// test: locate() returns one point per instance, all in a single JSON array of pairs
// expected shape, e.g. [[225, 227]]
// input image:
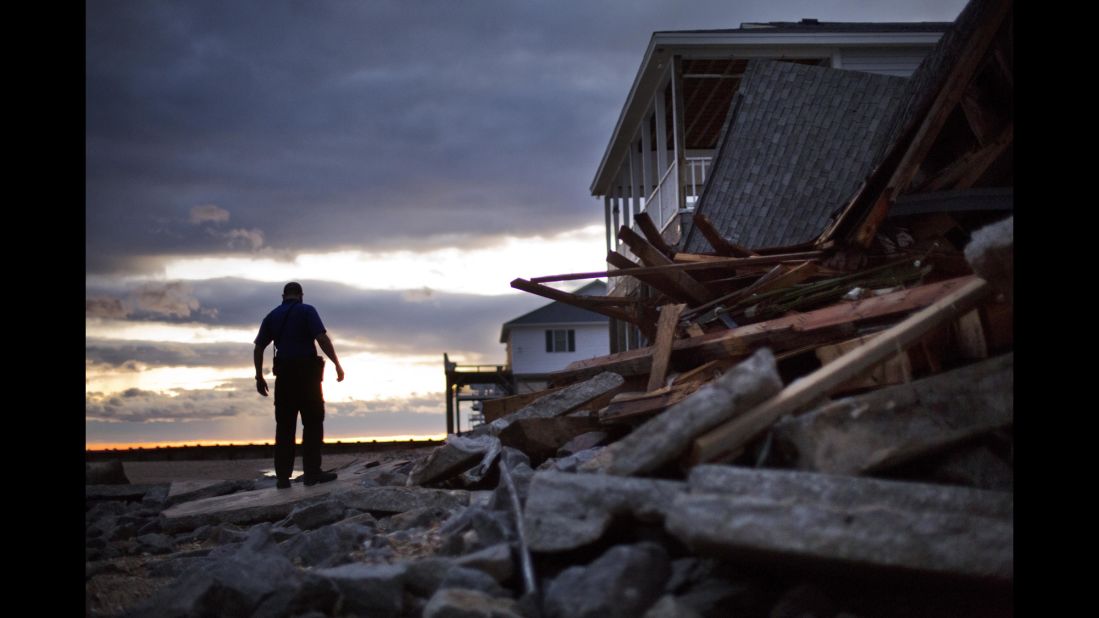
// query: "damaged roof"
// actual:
[[798, 141]]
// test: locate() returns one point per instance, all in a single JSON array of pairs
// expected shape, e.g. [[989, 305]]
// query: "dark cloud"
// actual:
[[370, 124], [131, 355], [101, 307], [209, 213], [173, 299], [405, 322]]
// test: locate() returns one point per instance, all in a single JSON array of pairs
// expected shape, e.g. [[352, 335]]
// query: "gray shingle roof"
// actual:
[[560, 313], [797, 144], [830, 26]]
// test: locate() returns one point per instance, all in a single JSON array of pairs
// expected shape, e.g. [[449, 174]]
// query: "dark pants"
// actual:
[[298, 389]]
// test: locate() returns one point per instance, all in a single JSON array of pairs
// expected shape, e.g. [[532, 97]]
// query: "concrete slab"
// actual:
[[248, 506]]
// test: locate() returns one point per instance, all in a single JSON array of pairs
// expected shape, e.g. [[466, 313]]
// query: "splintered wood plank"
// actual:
[[627, 268], [651, 256], [820, 326], [658, 281], [694, 330], [662, 348], [895, 370], [969, 335], [738, 432], [572, 299], [648, 228], [648, 404], [716, 240]]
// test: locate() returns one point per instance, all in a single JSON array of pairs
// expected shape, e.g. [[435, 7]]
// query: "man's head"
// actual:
[[292, 290]]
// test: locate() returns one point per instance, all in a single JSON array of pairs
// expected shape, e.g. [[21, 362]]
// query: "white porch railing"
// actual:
[[663, 203]]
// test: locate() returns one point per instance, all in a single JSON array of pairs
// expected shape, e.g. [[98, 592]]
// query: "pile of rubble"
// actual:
[[748, 494]]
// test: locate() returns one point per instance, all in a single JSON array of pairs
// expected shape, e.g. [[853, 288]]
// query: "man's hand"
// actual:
[[261, 386], [339, 373]]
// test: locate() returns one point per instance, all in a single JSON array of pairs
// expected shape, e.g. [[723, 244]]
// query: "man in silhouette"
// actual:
[[294, 326]]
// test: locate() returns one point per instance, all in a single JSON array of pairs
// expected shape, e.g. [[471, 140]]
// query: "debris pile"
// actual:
[[823, 429]]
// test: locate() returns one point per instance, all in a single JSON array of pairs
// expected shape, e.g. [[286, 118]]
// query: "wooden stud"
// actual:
[[662, 348]]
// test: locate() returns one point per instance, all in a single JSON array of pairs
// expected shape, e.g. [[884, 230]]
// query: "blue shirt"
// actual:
[[300, 325]]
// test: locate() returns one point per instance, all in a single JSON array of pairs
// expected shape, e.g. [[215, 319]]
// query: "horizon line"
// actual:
[[168, 444]]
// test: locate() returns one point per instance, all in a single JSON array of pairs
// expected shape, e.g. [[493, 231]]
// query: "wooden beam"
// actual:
[[716, 240], [571, 299], [738, 432], [964, 172], [648, 228], [658, 281], [651, 256], [969, 58], [826, 325], [662, 347], [631, 408]]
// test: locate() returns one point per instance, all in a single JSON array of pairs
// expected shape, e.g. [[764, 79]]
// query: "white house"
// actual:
[[550, 337]]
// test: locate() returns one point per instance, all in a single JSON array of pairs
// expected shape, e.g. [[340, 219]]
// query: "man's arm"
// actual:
[[257, 357], [326, 346]]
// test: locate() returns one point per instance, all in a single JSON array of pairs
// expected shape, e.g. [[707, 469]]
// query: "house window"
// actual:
[[560, 340]]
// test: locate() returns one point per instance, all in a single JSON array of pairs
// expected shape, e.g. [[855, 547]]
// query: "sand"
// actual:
[[142, 472]]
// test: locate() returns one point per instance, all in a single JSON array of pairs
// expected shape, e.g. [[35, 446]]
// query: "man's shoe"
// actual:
[[320, 477], [283, 484]]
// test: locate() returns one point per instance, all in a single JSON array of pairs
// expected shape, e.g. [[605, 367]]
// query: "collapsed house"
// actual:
[[812, 415]]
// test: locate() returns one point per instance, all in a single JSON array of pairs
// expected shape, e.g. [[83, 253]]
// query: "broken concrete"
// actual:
[[460, 453], [540, 438], [126, 493], [401, 499], [249, 506], [558, 402], [622, 583], [356, 589], [888, 427], [328, 546], [310, 516], [456, 603], [105, 473], [841, 520], [566, 511], [185, 491], [991, 253], [664, 437], [582, 442]]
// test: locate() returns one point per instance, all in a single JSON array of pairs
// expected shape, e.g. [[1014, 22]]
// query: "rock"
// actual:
[[460, 453], [328, 546], [149, 527], [496, 560], [623, 582], [666, 436], [567, 511], [310, 516], [474, 529], [416, 518], [558, 402], [282, 532], [156, 543], [541, 438], [248, 506], [991, 252], [365, 519], [245, 583], [840, 521], [128, 493], [804, 601], [105, 473], [156, 496], [455, 603], [401, 499], [975, 466], [104, 567], [894, 425], [356, 589], [573, 462], [472, 579], [668, 606], [184, 491], [582, 442]]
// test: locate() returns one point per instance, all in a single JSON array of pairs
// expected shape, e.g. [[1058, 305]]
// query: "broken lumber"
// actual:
[[664, 438], [888, 427], [628, 408], [571, 299], [686, 285], [895, 370], [662, 348], [736, 433], [557, 403], [726, 263], [648, 228], [820, 326], [832, 521]]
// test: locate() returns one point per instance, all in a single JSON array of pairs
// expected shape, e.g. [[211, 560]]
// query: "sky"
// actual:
[[403, 160]]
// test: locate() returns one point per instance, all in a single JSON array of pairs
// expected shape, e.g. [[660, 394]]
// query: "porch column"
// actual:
[[647, 180], [680, 142], [635, 178], [607, 216], [661, 133]]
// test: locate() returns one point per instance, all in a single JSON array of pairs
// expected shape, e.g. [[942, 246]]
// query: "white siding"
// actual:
[[899, 61], [528, 346]]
